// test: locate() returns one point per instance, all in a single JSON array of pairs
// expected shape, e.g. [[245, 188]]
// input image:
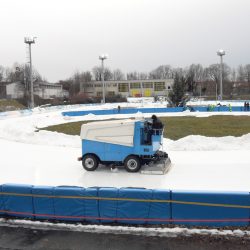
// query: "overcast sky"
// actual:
[[137, 34]]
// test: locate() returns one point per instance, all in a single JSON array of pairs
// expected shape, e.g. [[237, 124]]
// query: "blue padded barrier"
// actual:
[[160, 211], [1, 201], [153, 110], [133, 209], [22, 205], [108, 208], [122, 111], [91, 207], [43, 206], [198, 212], [69, 207]]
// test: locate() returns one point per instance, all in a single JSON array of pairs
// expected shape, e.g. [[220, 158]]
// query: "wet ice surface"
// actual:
[[192, 170], [49, 158]]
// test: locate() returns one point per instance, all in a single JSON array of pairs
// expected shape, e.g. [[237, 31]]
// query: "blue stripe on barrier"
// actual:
[[14, 203], [43, 205], [108, 208], [69, 207], [133, 209], [197, 212]]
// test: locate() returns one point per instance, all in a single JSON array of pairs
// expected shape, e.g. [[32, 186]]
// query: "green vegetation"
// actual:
[[213, 126], [178, 127], [9, 105]]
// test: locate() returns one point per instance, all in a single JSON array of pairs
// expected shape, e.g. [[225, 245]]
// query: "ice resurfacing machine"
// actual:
[[135, 144]]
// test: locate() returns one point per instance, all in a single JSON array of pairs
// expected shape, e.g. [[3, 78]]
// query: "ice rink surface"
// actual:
[[191, 170], [48, 158]]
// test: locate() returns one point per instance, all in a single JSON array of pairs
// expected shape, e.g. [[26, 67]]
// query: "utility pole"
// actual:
[[102, 58], [29, 41], [221, 53]]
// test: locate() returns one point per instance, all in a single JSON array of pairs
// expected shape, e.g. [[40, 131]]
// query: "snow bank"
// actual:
[[23, 126], [203, 143]]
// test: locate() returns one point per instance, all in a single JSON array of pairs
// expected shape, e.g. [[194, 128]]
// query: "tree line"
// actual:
[[190, 76], [185, 79]]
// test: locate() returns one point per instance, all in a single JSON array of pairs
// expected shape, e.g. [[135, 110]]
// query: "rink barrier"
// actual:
[[154, 110], [1, 201], [22, 202], [125, 205], [188, 209]]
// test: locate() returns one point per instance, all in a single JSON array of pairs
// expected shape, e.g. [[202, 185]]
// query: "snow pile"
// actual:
[[203, 143]]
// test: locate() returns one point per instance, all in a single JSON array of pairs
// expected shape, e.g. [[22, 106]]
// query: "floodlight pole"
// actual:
[[221, 53], [102, 58], [30, 41]]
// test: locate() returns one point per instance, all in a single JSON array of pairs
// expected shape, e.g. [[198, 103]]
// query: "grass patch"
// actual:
[[9, 105], [178, 127]]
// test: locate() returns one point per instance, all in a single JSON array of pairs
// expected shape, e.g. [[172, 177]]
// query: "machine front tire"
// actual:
[[132, 164], [90, 162]]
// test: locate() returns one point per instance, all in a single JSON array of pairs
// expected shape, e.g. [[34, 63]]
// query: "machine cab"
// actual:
[[151, 135]]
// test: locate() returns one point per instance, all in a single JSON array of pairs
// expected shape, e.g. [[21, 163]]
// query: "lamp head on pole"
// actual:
[[221, 52], [29, 40], [103, 56]]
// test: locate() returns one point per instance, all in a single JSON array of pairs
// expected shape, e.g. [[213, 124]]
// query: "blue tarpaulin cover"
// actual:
[[21, 204], [134, 209], [1, 201], [160, 210], [43, 206], [91, 205], [69, 206], [108, 208], [187, 211]]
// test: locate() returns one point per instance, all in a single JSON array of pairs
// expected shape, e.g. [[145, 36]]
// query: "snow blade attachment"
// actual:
[[159, 166]]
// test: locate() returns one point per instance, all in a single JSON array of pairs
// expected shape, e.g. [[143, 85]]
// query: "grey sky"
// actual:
[[137, 34]]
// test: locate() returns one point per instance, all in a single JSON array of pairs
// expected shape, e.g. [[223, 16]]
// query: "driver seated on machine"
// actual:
[[157, 124], [152, 128]]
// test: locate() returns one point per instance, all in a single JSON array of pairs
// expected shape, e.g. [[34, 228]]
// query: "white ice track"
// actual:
[[47, 158]]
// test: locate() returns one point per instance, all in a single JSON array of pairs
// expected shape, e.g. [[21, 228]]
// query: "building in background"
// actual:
[[13, 90], [128, 88], [47, 90], [44, 90]]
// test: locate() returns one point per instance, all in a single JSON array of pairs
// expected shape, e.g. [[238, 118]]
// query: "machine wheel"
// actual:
[[132, 163], [90, 162]]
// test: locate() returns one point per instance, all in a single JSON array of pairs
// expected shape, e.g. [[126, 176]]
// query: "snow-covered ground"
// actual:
[[49, 158]]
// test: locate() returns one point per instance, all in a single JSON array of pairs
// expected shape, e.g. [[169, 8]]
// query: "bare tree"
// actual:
[[241, 74], [213, 72], [1, 73], [137, 76], [143, 76], [85, 77], [197, 72], [194, 74], [247, 70], [133, 75], [97, 72], [233, 75], [161, 72], [118, 75]]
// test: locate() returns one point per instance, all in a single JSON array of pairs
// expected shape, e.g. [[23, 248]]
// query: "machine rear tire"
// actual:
[[132, 164], [90, 162]]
